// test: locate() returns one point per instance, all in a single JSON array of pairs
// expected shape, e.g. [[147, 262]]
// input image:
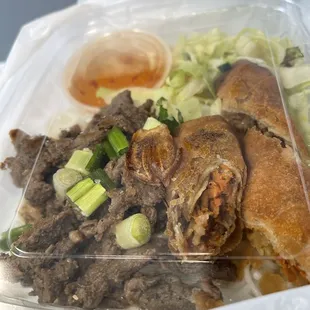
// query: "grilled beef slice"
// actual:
[[173, 285], [103, 276], [48, 232], [159, 292], [48, 154], [131, 194]]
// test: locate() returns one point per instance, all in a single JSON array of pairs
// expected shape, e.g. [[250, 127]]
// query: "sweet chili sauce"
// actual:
[[139, 62]]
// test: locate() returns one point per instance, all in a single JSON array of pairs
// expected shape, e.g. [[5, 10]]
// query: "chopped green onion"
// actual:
[[79, 160], [108, 149], [163, 117], [89, 202], [97, 158], [100, 176], [63, 179], [133, 232], [180, 117], [151, 123], [172, 124], [163, 114], [118, 141], [291, 55], [224, 67], [11, 236], [80, 189]]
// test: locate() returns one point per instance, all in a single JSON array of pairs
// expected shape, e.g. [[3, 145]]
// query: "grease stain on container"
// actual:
[[116, 61]]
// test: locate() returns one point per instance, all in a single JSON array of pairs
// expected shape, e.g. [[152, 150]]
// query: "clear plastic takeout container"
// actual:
[[33, 96]]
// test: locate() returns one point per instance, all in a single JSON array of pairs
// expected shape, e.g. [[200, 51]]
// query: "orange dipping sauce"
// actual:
[[120, 60]]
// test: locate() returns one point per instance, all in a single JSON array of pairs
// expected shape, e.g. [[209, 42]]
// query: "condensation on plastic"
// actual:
[[31, 84]]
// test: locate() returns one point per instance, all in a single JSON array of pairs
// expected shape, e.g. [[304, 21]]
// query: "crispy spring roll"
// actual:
[[251, 97], [152, 156], [205, 192], [275, 204], [275, 209]]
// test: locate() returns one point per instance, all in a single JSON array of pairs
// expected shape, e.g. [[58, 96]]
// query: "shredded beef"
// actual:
[[151, 214], [99, 279], [49, 283], [131, 194], [136, 192], [161, 213], [72, 132], [115, 300], [48, 231], [48, 154], [48, 275], [54, 206], [115, 168], [122, 113], [173, 285], [153, 293], [38, 192], [27, 149], [133, 191], [89, 228], [89, 283], [49, 236], [194, 272]]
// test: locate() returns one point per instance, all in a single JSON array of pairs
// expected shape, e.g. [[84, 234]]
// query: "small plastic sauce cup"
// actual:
[[116, 61]]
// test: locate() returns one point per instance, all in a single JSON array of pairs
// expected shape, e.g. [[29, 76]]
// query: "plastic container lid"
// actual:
[[34, 98], [46, 89]]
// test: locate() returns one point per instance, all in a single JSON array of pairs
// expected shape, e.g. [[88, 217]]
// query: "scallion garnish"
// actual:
[[11, 236], [80, 189], [172, 124], [224, 67], [79, 161], [180, 117], [163, 114], [99, 175], [89, 202], [97, 159], [108, 149], [118, 141], [164, 118], [133, 232], [64, 179]]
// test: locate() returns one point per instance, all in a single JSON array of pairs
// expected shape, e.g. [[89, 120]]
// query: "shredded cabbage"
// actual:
[[298, 105], [189, 88], [254, 43], [196, 61], [296, 82], [295, 79]]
